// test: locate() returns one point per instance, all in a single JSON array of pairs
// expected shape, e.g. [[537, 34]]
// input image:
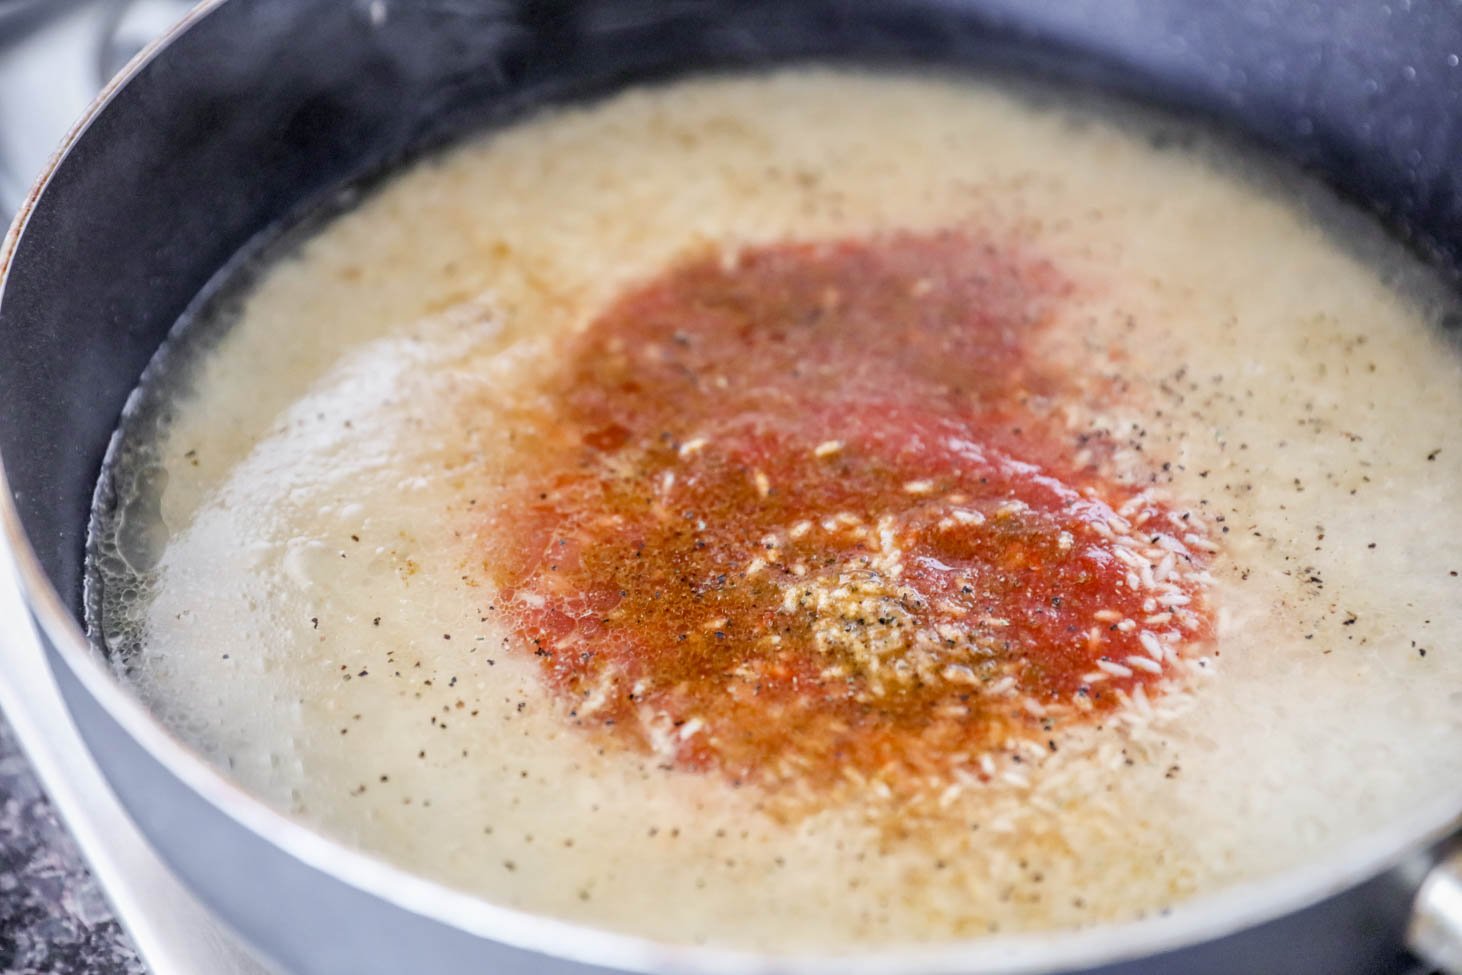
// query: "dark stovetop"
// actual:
[[53, 918]]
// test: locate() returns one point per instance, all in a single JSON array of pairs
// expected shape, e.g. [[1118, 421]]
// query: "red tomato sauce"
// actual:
[[814, 515]]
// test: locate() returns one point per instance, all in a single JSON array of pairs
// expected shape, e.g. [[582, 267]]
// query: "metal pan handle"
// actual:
[[1435, 931]]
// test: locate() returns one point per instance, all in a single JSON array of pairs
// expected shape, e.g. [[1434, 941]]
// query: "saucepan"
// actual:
[[252, 112]]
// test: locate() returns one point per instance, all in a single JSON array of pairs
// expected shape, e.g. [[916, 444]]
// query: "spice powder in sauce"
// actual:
[[814, 515]]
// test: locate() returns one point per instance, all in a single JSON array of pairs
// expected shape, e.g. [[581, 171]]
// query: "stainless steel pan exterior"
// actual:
[[253, 111]]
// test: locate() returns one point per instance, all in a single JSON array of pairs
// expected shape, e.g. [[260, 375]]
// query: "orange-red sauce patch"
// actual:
[[814, 515]]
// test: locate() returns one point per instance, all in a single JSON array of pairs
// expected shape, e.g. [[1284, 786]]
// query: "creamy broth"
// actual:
[[298, 566]]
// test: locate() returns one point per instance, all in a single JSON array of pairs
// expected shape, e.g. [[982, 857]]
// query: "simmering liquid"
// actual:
[[811, 510]]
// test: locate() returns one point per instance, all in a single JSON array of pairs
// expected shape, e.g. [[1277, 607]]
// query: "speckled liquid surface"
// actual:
[[301, 579]]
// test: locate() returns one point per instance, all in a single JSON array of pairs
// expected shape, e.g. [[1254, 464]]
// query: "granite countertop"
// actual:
[[53, 917]]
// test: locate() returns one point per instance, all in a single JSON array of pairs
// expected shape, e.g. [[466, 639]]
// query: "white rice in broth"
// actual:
[[293, 576]]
